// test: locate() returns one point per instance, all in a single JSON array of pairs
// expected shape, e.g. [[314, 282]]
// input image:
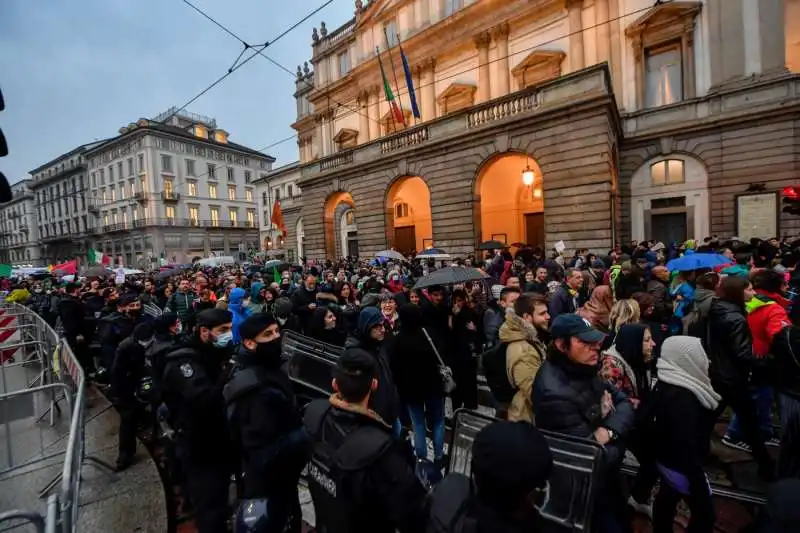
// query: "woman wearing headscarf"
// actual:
[[624, 364], [681, 416]]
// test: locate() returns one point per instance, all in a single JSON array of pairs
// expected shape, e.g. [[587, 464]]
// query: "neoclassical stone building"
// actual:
[[583, 121]]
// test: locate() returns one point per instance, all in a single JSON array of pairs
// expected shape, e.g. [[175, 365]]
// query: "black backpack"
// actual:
[[493, 362]]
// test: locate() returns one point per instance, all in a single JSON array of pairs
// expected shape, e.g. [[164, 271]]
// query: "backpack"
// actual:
[[493, 362], [695, 324]]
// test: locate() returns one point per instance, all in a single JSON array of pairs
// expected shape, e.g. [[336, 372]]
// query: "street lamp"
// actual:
[[528, 176]]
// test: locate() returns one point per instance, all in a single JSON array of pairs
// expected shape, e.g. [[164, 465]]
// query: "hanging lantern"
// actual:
[[528, 176]]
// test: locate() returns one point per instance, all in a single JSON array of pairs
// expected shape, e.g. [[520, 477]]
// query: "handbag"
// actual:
[[445, 373]]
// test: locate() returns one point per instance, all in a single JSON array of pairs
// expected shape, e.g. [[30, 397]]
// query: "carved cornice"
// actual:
[[483, 39], [501, 31]]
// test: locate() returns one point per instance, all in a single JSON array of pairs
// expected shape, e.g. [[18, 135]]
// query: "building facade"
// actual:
[[587, 121], [280, 186], [63, 223], [173, 188], [19, 232]]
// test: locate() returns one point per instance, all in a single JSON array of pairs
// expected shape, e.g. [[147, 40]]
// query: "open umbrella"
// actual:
[[492, 245], [433, 253], [390, 254], [697, 261], [450, 276]]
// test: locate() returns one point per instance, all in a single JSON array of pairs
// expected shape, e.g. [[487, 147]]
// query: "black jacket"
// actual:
[[301, 298], [729, 344], [384, 400], [561, 303], [413, 362], [383, 494], [72, 314], [192, 389], [567, 397], [128, 370], [266, 427]]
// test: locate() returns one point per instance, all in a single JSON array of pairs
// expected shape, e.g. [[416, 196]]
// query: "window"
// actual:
[[214, 216], [194, 216], [277, 194], [105, 219], [111, 174], [168, 187], [344, 63], [251, 218], [119, 171], [192, 188], [143, 181], [290, 191], [132, 186], [401, 210], [248, 194], [667, 172], [130, 166], [664, 76], [212, 190], [134, 214], [233, 215], [350, 218], [102, 177], [390, 27], [264, 197], [121, 191], [170, 212], [141, 163], [212, 171], [166, 163], [231, 175], [113, 195], [451, 6], [94, 180], [232, 192], [248, 176], [190, 167]]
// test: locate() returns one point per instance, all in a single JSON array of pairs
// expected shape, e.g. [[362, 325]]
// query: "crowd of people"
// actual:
[[619, 349]]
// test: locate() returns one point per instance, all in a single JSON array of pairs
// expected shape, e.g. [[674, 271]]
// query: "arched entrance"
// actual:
[[335, 207], [301, 239], [409, 226], [669, 200], [348, 233], [511, 210]]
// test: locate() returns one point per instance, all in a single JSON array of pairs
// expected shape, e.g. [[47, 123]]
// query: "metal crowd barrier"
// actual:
[[59, 379]]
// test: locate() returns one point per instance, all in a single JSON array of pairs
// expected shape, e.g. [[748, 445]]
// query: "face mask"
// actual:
[[37, 291], [269, 350], [134, 312], [146, 343], [245, 303], [281, 321], [223, 340]]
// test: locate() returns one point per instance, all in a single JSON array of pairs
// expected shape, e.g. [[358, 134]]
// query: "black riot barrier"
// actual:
[[577, 467], [309, 363]]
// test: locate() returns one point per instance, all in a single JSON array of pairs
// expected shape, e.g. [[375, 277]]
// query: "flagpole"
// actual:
[[383, 79], [394, 75]]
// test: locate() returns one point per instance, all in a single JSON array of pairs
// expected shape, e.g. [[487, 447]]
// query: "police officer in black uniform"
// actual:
[[127, 372], [116, 327], [266, 427], [360, 477], [511, 463], [192, 390]]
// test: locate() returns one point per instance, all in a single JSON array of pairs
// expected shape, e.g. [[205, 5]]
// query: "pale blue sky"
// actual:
[[78, 70]]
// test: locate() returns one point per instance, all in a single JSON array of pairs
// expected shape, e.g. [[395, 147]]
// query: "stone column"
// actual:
[[319, 120], [603, 31], [503, 73], [363, 117], [576, 61], [772, 35], [372, 113], [482, 41], [427, 89]]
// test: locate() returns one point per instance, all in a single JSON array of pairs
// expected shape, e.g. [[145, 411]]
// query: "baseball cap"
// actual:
[[566, 326]]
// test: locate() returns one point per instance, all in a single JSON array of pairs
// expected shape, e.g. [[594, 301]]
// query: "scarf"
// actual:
[[626, 368], [684, 363]]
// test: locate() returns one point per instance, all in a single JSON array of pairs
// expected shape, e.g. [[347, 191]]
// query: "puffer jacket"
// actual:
[[766, 316], [524, 357], [730, 344], [239, 312]]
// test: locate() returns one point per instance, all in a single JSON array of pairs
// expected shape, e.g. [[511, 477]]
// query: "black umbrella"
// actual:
[[164, 274], [450, 276], [492, 245]]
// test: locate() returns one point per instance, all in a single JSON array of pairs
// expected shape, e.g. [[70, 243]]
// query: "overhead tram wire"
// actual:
[[236, 66], [528, 49]]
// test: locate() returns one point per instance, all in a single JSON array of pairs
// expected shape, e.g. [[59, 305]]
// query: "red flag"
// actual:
[[70, 268], [277, 217]]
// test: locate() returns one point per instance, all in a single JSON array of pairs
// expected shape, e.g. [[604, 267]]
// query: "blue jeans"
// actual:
[[762, 396], [434, 409]]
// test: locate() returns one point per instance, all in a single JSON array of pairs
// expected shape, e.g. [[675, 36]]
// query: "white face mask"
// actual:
[[223, 340]]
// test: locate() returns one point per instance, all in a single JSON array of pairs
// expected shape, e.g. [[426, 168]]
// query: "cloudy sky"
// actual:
[[77, 71]]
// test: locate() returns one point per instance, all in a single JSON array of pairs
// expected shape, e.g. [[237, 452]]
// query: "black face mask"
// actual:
[[133, 313], [269, 350]]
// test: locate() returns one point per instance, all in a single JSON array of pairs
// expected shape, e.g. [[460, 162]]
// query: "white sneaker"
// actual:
[[641, 508]]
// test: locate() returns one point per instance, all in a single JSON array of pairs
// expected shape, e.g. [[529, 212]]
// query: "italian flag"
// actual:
[[396, 113], [96, 257]]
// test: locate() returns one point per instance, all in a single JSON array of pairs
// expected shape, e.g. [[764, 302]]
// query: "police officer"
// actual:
[[361, 479], [117, 326], [192, 390], [511, 463], [266, 426], [126, 374]]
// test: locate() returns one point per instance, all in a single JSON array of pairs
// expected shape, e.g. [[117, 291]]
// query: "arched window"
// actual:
[[667, 172], [401, 210], [350, 217]]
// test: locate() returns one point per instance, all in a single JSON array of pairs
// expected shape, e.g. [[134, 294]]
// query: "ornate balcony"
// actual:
[[170, 197]]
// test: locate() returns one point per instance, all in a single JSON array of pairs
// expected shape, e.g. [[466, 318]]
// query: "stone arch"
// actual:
[[409, 229], [669, 198], [347, 231], [330, 219], [505, 208]]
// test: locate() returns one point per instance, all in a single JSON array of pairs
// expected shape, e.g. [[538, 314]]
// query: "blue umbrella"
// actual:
[[697, 261]]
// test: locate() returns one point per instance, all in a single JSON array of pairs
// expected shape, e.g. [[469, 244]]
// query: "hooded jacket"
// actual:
[[524, 357], [238, 312], [766, 316]]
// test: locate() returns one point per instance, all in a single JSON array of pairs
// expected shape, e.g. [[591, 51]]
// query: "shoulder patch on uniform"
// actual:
[[187, 370]]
